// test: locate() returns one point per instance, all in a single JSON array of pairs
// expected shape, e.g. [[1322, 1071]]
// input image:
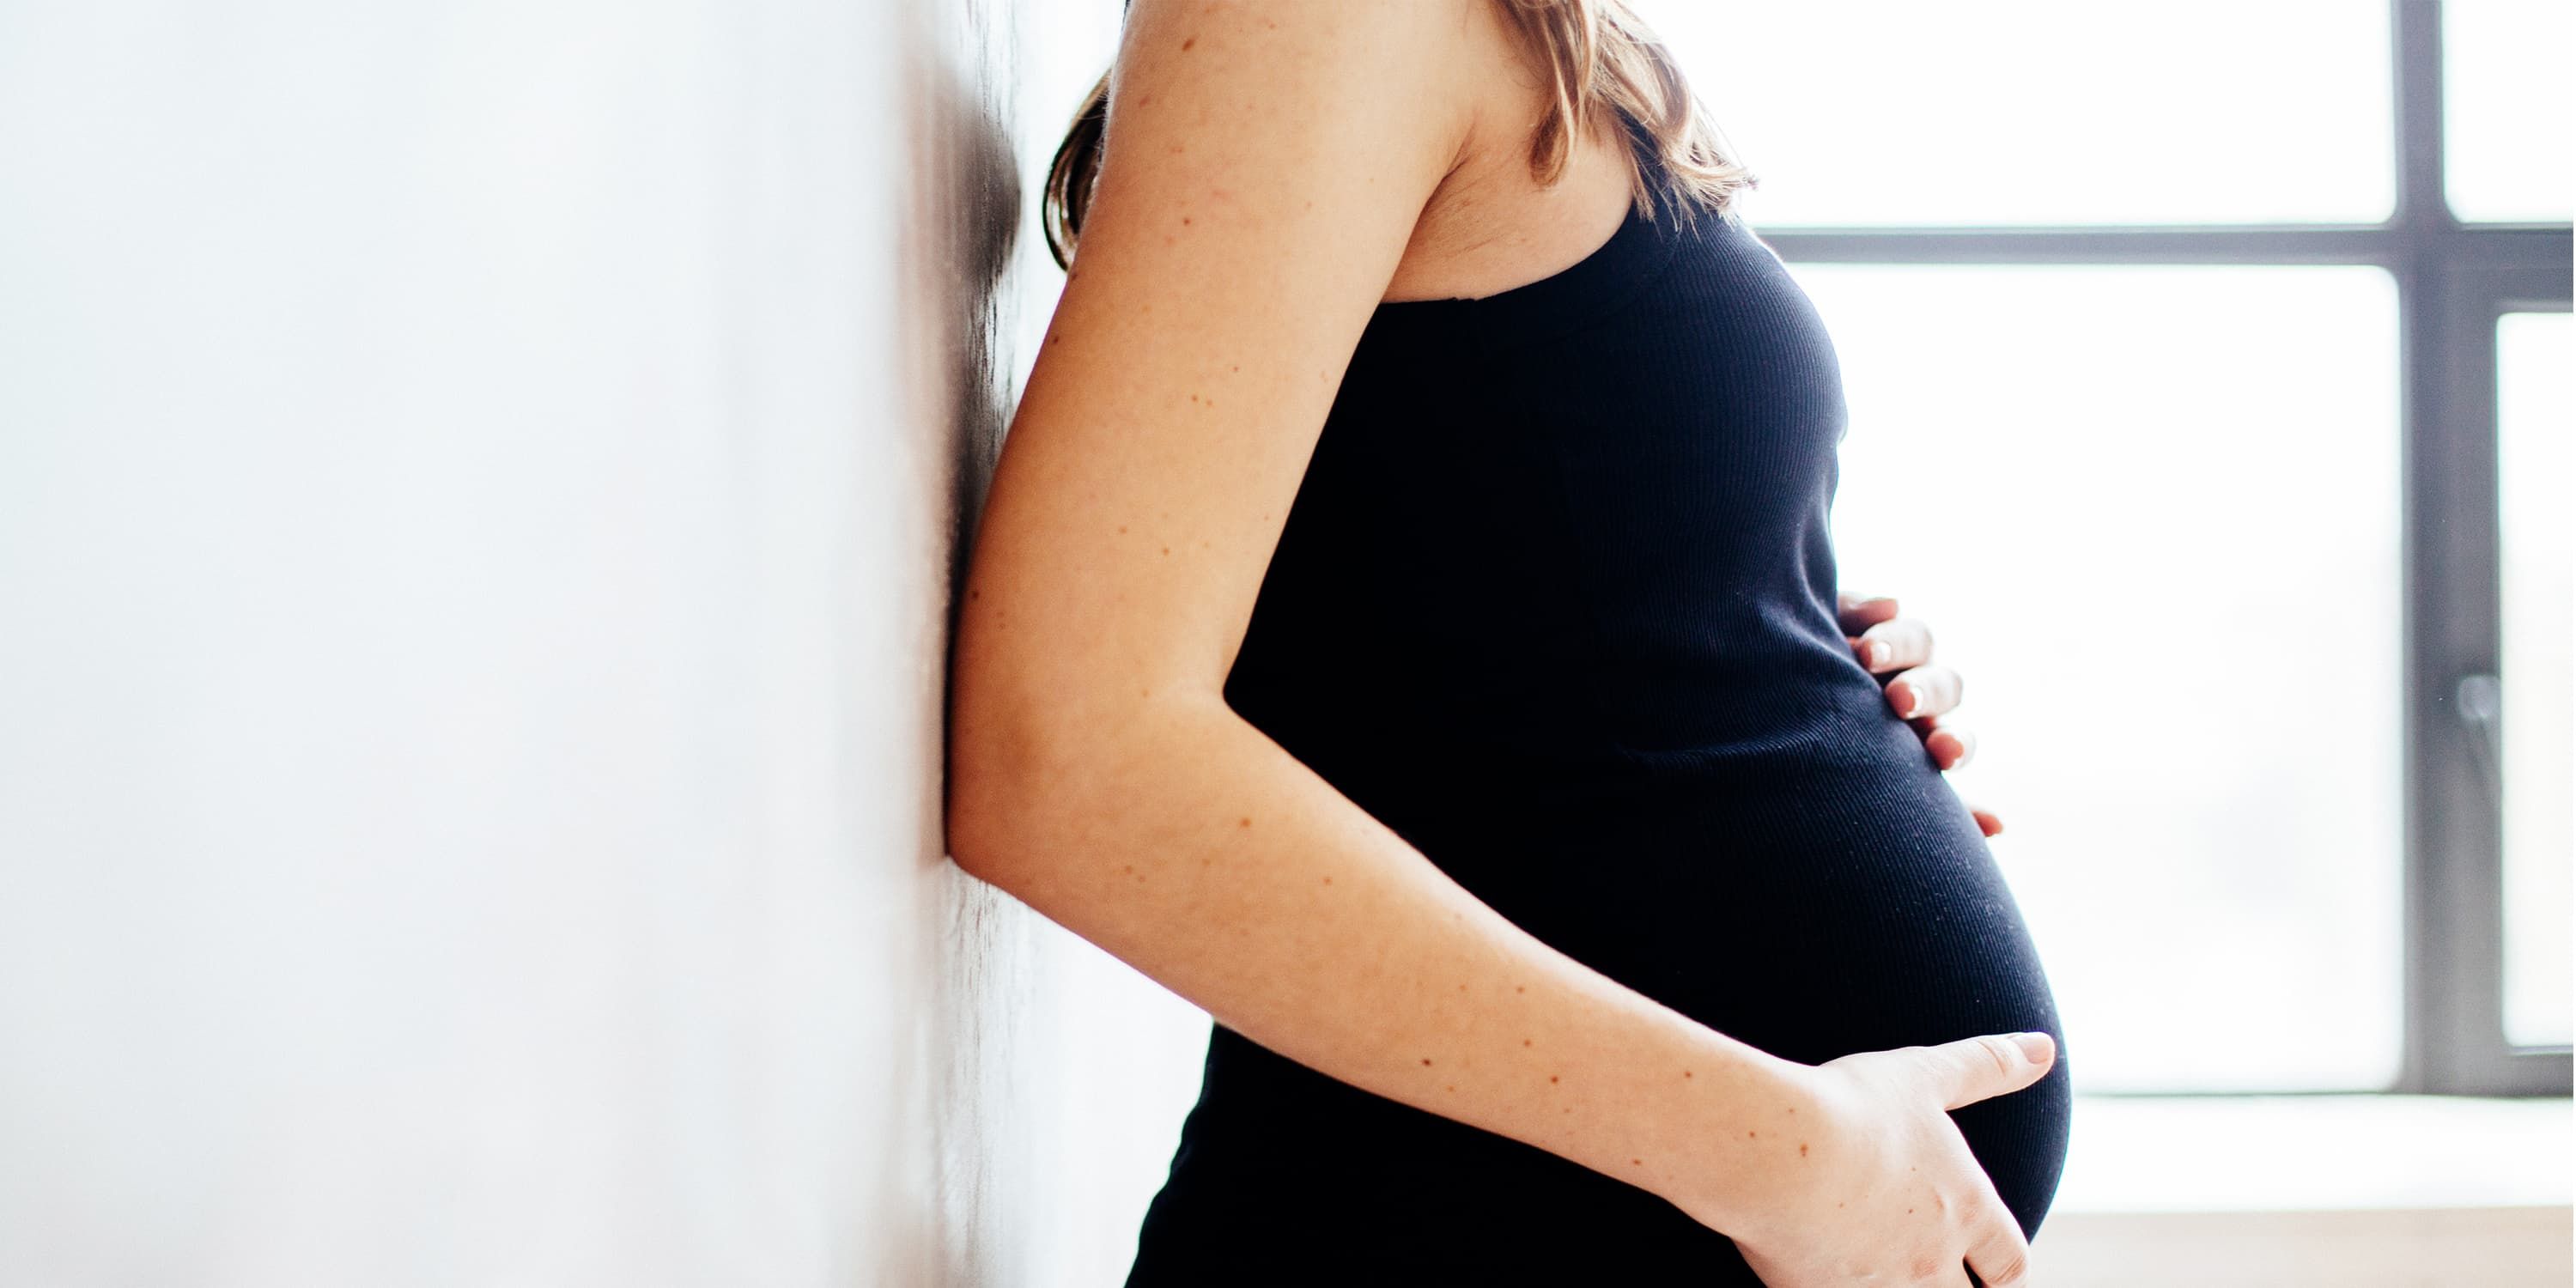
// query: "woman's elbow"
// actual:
[[1033, 783], [995, 773], [1016, 773]]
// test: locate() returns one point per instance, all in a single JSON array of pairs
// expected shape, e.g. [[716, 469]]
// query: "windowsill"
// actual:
[[2315, 1153]]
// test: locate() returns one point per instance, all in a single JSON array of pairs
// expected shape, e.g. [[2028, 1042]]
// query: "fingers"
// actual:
[[1860, 612], [1918, 691], [1950, 745], [1925, 691], [1893, 644], [1987, 821], [1987, 1065], [2000, 1258]]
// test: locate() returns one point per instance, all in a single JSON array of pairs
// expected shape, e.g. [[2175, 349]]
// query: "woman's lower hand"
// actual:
[[1886, 1191], [1899, 649]]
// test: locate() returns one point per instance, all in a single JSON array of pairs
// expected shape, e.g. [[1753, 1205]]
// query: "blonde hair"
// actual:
[[1600, 58]]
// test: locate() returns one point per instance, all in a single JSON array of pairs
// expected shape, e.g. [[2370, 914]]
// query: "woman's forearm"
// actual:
[[1196, 849]]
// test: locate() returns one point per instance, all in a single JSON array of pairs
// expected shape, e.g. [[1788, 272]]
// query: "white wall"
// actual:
[[478, 486]]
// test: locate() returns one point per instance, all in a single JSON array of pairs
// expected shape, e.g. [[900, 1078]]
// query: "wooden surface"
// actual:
[[2513, 1247]]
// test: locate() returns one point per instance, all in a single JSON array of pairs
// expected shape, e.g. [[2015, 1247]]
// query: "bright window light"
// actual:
[[2151, 513], [2021, 112], [2535, 477], [2505, 134]]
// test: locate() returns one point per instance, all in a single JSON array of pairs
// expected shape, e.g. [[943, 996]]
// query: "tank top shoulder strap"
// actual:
[[1633, 256]]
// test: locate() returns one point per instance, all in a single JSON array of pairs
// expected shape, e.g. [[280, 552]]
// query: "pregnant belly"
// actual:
[[1811, 907]]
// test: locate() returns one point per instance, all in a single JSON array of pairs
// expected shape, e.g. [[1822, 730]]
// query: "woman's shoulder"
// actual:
[[1492, 225]]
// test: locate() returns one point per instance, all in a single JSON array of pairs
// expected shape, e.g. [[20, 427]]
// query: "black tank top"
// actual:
[[1556, 602]]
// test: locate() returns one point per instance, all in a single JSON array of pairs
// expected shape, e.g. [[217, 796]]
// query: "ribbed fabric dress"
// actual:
[[1556, 603]]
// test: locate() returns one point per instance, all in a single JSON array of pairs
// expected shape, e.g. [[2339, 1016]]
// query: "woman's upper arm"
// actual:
[[1263, 168]]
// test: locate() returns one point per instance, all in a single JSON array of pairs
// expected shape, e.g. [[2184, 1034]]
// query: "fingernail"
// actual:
[[2038, 1046]]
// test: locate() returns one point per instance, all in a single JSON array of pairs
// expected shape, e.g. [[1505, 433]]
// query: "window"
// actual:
[[2012, 115], [2505, 136], [2536, 706], [2133, 495], [2182, 408]]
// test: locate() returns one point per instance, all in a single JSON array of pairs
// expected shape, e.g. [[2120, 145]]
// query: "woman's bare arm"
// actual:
[[1265, 166]]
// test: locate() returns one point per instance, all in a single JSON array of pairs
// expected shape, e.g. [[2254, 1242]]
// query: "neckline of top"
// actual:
[[1638, 249]]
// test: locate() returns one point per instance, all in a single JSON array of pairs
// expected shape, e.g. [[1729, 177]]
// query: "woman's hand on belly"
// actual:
[[1900, 650], [1885, 1189]]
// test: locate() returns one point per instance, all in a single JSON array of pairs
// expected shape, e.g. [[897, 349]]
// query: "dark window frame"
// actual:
[[2453, 281]]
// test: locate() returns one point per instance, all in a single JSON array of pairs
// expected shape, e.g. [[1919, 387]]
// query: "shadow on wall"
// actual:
[[964, 223], [961, 228]]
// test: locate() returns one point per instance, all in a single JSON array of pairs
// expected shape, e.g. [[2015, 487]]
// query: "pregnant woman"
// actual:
[[1403, 623]]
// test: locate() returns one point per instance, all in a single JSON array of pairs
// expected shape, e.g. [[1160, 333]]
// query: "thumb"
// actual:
[[1989, 1064]]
